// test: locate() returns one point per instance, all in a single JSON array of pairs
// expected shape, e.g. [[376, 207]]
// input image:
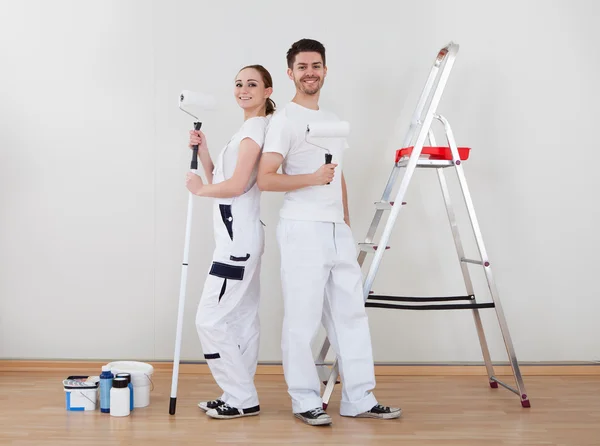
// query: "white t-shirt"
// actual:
[[253, 128], [287, 135], [236, 220]]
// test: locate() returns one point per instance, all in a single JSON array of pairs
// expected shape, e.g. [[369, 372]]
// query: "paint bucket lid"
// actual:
[[81, 382]]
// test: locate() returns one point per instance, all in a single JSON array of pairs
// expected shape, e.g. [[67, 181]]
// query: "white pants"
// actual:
[[228, 326], [322, 281]]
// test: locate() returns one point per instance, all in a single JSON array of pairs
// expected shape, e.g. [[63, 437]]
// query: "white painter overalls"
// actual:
[[227, 320], [322, 282]]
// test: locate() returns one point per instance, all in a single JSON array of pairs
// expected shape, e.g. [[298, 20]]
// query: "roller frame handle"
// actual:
[[328, 157], [194, 163]]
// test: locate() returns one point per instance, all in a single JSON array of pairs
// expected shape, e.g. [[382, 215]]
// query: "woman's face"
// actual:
[[249, 90]]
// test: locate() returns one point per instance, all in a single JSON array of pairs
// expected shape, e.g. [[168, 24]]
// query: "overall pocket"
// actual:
[[226, 272]]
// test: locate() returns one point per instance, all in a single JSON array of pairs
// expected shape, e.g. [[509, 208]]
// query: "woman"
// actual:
[[227, 319]]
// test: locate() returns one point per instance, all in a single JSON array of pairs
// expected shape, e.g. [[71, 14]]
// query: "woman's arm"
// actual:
[[248, 155], [207, 164]]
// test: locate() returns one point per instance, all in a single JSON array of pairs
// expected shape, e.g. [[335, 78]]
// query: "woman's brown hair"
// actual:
[[268, 81]]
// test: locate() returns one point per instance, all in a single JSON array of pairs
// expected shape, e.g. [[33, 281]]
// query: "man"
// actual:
[[320, 276]]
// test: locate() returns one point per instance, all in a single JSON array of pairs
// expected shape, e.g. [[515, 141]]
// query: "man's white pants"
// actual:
[[322, 281], [228, 326]]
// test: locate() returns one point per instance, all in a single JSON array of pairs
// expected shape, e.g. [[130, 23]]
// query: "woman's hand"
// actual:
[[198, 138], [193, 183]]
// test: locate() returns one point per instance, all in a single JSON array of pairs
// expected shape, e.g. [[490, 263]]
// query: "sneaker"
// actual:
[[381, 412], [225, 412], [206, 405], [314, 417]]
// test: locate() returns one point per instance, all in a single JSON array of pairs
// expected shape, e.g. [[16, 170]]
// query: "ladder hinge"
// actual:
[[369, 247], [475, 262], [386, 205]]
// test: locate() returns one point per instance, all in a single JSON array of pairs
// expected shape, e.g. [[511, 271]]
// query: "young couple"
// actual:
[[321, 279]]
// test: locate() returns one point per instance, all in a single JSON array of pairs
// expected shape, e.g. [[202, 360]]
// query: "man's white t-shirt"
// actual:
[[287, 135]]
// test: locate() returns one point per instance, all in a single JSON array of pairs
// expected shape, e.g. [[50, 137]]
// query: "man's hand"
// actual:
[[324, 174], [193, 183], [347, 220]]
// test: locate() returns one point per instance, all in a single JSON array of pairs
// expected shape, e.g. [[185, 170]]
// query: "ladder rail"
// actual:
[[425, 93], [508, 343], [460, 251], [419, 130], [445, 58], [465, 272], [412, 164], [414, 123]]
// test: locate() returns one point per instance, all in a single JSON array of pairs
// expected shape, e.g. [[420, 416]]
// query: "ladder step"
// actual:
[[475, 262], [435, 153], [427, 163], [369, 247], [420, 299], [386, 205], [431, 307]]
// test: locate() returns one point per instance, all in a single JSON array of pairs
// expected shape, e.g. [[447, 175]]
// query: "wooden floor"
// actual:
[[457, 411]]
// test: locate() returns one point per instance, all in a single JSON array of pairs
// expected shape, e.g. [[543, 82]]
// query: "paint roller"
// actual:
[[331, 129], [191, 101]]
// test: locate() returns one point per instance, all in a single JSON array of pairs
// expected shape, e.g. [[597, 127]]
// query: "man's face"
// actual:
[[308, 72]]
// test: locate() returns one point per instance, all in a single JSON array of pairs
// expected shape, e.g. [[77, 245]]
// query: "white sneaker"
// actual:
[[381, 412], [225, 412], [314, 417], [207, 405]]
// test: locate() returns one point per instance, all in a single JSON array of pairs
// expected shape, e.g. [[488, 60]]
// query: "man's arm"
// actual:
[[269, 180], [345, 201]]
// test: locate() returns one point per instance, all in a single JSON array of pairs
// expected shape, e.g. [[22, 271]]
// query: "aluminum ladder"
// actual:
[[414, 154]]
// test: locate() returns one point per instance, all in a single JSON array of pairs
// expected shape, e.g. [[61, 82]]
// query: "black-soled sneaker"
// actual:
[[381, 412], [226, 412], [314, 417], [207, 405]]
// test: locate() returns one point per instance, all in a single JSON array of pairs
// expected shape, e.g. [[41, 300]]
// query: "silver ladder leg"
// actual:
[[520, 390], [464, 269], [467, 278]]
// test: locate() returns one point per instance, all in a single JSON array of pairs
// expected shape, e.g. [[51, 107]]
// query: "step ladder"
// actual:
[[414, 154]]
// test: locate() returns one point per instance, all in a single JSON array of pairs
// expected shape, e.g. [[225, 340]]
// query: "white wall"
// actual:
[[93, 156]]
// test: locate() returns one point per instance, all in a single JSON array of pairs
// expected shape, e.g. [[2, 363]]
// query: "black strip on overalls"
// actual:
[[223, 288], [212, 356], [239, 259], [233, 272], [227, 218]]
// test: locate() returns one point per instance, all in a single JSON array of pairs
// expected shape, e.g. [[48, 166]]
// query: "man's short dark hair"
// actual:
[[304, 46]]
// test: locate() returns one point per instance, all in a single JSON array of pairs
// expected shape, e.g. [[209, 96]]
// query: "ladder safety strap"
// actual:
[[431, 307], [421, 299]]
